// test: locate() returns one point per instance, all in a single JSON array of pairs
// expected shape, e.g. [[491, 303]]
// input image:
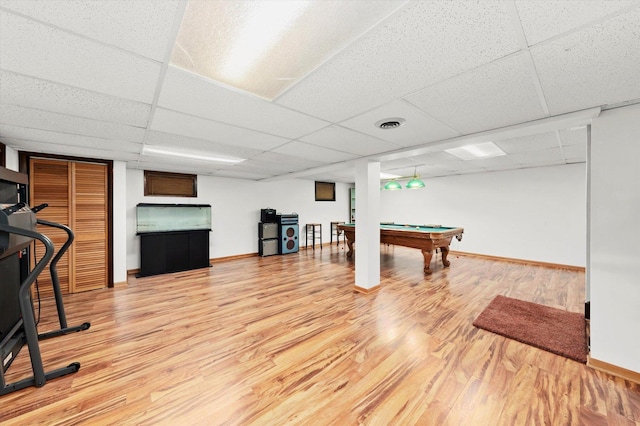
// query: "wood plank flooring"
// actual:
[[286, 340]]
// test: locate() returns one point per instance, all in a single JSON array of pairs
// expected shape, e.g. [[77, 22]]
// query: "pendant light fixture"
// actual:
[[414, 182]]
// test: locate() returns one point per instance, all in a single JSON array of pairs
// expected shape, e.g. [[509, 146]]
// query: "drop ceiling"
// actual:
[[101, 79]]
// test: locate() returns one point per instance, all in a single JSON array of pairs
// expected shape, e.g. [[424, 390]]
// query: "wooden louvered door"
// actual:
[[77, 197], [90, 224]]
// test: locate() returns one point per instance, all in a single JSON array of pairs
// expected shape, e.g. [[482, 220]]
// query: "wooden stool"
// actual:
[[313, 231], [334, 228]]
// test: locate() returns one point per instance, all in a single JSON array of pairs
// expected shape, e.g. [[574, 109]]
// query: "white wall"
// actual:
[[614, 269], [236, 208], [533, 214]]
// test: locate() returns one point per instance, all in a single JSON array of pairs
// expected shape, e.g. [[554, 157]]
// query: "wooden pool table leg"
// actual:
[[350, 245], [427, 254], [445, 253]]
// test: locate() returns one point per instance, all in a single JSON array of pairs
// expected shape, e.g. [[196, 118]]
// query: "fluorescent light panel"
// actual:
[[173, 152], [477, 151]]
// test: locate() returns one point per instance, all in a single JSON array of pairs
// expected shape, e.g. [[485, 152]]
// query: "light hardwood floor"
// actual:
[[286, 340]]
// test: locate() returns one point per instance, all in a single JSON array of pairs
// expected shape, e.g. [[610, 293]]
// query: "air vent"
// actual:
[[390, 123]]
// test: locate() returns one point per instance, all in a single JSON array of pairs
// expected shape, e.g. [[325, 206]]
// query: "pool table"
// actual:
[[424, 237]]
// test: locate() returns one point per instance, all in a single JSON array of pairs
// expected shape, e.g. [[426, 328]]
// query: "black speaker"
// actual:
[[288, 242], [268, 215]]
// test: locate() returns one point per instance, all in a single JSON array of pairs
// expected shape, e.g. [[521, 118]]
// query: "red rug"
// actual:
[[554, 330]]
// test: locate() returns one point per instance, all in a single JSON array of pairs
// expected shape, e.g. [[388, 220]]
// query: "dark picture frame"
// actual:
[[325, 191]]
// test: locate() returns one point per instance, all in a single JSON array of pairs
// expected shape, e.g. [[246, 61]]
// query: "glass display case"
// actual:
[[172, 217]]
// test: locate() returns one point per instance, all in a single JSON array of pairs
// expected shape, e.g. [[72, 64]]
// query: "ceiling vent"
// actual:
[[390, 123]]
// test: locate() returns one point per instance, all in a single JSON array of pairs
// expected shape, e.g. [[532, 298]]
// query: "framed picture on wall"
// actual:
[[325, 191]]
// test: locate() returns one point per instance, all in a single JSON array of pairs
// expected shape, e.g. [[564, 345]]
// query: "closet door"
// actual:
[[89, 222], [49, 183], [77, 196]]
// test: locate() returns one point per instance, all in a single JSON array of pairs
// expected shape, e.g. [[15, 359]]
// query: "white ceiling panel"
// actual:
[[45, 120], [156, 164], [86, 77], [140, 26], [435, 171], [23, 133], [213, 31], [489, 97], [182, 124], [423, 43], [102, 152], [200, 145], [346, 140], [43, 95], [575, 153], [501, 162], [529, 143], [314, 152], [598, 65], [388, 166], [547, 157], [419, 128], [241, 174], [274, 161], [574, 136], [32, 48], [543, 19], [191, 94]]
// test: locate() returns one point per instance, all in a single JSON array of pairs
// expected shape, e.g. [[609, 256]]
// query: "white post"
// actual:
[[367, 246]]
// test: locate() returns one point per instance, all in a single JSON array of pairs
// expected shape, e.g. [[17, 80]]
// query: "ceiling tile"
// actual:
[[492, 96], [191, 94], [32, 48], [242, 174], [212, 30], [313, 152], [141, 26], [182, 124], [166, 165], [419, 128], [62, 123], [576, 153], [23, 133], [278, 163], [574, 136], [543, 19], [423, 43], [524, 144], [389, 166], [172, 140], [72, 150], [39, 94], [547, 157], [346, 140], [596, 66]]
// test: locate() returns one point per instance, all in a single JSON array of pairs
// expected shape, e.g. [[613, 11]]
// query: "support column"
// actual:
[[367, 245]]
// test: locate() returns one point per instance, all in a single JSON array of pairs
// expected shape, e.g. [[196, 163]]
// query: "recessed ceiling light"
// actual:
[[173, 152], [474, 152], [390, 123]]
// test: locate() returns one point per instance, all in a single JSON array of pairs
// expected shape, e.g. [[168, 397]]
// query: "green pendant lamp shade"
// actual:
[[415, 183], [392, 186]]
